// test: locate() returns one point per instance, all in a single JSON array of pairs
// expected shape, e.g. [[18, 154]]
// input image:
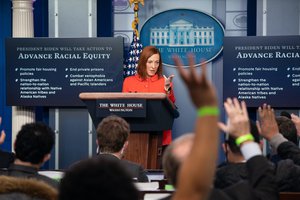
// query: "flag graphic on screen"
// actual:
[[132, 59]]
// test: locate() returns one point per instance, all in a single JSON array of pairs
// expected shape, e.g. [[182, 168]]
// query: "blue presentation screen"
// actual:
[[54, 71], [262, 70]]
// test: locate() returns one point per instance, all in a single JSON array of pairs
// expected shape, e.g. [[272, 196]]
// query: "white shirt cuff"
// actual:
[[250, 149], [276, 140]]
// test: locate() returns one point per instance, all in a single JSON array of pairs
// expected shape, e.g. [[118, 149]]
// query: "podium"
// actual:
[[148, 115]]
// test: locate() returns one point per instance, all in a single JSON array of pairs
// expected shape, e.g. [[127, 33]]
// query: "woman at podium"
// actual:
[[149, 78]]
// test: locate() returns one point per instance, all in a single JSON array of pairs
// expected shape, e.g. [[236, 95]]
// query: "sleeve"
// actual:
[[276, 141], [125, 87], [262, 178], [250, 150], [261, 184], [142, 175], [223, 178], [287, 176], [171, 95], [289, 150]]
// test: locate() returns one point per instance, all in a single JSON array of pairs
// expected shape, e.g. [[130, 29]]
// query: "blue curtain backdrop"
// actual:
[[40, 30], [41, 24], [5, 32]]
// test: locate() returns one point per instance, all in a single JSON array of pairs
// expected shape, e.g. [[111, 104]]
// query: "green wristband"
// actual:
[[169, 187], [244, 138], [208, 111]]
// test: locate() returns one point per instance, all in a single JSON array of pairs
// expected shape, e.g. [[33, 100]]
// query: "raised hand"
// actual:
[[238, 120], [296, 120], [201, 90], [195, 178], [267, 123]]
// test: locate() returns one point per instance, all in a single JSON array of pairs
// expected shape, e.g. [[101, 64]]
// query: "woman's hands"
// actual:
[[168, 81]]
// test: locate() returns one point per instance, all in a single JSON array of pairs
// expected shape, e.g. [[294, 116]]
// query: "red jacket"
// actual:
[[153, 84]]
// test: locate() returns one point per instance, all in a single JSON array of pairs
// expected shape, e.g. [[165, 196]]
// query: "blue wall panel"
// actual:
[[5, 111]]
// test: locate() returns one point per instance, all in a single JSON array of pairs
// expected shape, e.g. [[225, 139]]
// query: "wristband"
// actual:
[[208, 111], [244, 138]]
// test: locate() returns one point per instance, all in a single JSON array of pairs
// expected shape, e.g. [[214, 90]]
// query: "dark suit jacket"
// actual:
[[135, 170], [230, 174], [27, 172], [286, 172], [260, 185], [289, 150], [6, 158]]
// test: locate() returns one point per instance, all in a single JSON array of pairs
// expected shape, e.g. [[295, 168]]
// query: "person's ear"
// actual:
[[46, 157], [125, 145], [97, 149], [124, 148], [225, 147]]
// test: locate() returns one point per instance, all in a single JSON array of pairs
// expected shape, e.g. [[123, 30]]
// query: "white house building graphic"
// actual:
[[182, 33]]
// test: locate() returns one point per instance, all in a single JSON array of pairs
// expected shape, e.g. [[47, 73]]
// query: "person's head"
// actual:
[[97, 178], [231, 147], [34, 142], [112, 134], [175, 154], [285, 114], [150, 63], [287, 128], [26, 189]]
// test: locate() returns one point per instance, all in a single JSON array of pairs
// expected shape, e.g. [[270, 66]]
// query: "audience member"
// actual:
[[174, 156], [97, 178], [270, 131], [285, 114], [235, 169], [288, 129], [112, 141], [287, 173], [296, 120], [287, 170], [13, 188], [32, 148], [6, 157], [261, 184], [195, 175]]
